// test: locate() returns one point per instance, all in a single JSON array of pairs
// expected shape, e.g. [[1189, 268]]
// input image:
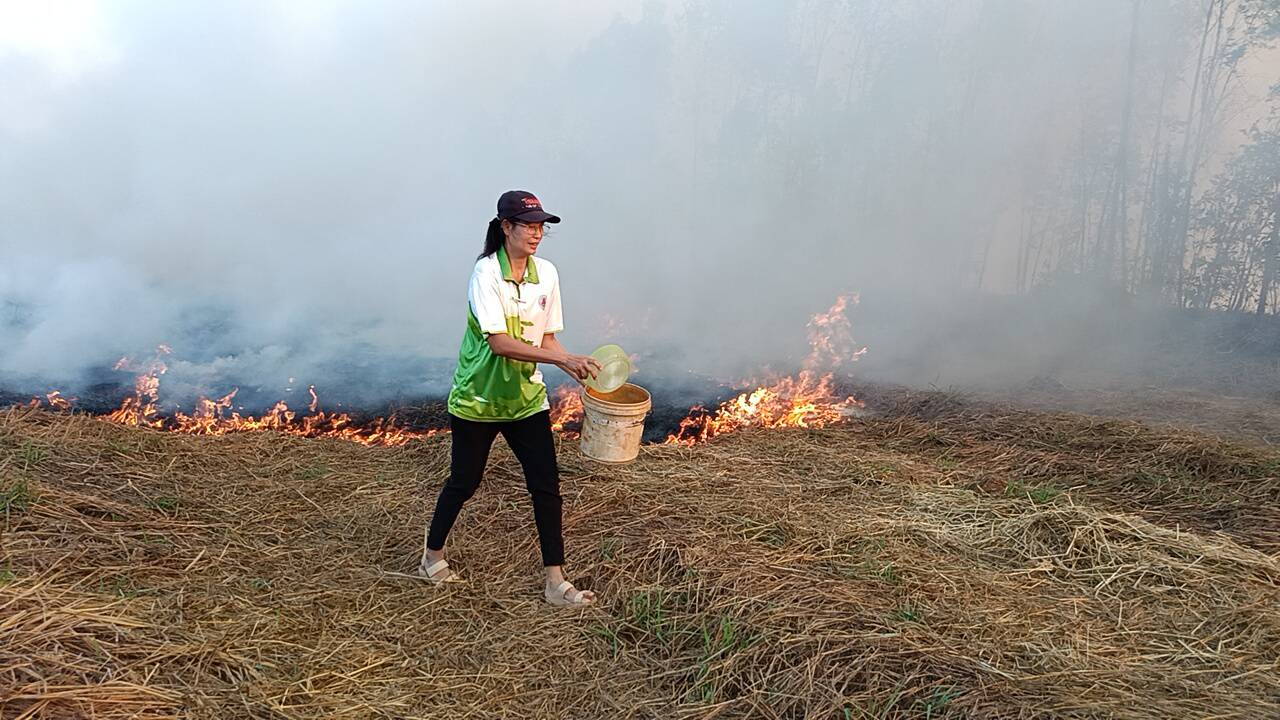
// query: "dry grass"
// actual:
[[1254, 419], [942, 561]]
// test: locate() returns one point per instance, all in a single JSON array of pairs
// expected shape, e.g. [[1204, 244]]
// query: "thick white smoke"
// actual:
[[297, 190]]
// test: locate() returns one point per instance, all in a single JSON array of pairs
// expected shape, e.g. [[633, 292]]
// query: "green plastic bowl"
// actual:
[[615, 368]]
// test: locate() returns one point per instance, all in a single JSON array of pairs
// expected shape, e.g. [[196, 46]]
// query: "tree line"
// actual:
[[1146, 209]]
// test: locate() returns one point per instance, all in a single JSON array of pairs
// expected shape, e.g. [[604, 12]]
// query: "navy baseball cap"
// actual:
[[523, 206]]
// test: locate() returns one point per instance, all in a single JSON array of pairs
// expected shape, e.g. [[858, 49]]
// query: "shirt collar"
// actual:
[[530, 267]]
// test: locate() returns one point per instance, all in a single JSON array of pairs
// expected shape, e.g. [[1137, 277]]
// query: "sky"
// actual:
[[294, 192]]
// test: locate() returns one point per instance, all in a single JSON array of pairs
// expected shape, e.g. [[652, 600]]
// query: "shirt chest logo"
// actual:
[[527, 305]]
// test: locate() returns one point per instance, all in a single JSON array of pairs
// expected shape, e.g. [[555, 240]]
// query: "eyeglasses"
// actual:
[[536, 228]]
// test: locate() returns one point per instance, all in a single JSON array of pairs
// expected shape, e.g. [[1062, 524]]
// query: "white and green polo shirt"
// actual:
[[490, 387]]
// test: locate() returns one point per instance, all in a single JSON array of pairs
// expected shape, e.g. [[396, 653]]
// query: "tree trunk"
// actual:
[[1175, 250], [1144, 258], [1122, 162], [1270, 257]]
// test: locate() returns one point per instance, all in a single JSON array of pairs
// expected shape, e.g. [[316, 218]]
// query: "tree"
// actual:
[[1238, 260]]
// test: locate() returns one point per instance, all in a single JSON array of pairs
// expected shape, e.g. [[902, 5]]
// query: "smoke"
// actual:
[[292, 193]]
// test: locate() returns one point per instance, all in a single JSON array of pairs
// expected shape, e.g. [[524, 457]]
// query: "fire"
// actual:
[[806, 400], [140, 410], [57, 402], [566, 409], [216, 417]]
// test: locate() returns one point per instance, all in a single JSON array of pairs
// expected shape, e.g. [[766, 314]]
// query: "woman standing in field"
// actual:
[[514, 302]]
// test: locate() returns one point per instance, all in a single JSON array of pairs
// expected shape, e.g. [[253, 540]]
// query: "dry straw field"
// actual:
[[938, 559]]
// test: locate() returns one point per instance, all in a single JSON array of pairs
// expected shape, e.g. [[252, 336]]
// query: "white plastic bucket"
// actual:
[[612, 423]]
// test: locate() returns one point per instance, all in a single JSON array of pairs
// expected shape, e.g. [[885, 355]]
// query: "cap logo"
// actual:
[[531, 203]]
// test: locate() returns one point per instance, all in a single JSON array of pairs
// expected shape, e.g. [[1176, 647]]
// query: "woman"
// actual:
[[514, 316]]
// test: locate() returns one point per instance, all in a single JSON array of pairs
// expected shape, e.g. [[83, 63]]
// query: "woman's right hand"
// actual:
[[579, 367]]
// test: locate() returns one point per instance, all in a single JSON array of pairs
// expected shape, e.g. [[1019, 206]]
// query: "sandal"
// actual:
[[566, 595], [432, 572]]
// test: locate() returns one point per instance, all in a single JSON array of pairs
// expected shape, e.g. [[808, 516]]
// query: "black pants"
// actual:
[[530, 439]]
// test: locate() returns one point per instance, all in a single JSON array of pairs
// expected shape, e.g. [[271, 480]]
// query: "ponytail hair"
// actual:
[[493, 238]]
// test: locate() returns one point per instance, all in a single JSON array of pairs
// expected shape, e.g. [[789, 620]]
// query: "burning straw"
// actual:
[[217, 417], [807, 399], [863, 570]]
